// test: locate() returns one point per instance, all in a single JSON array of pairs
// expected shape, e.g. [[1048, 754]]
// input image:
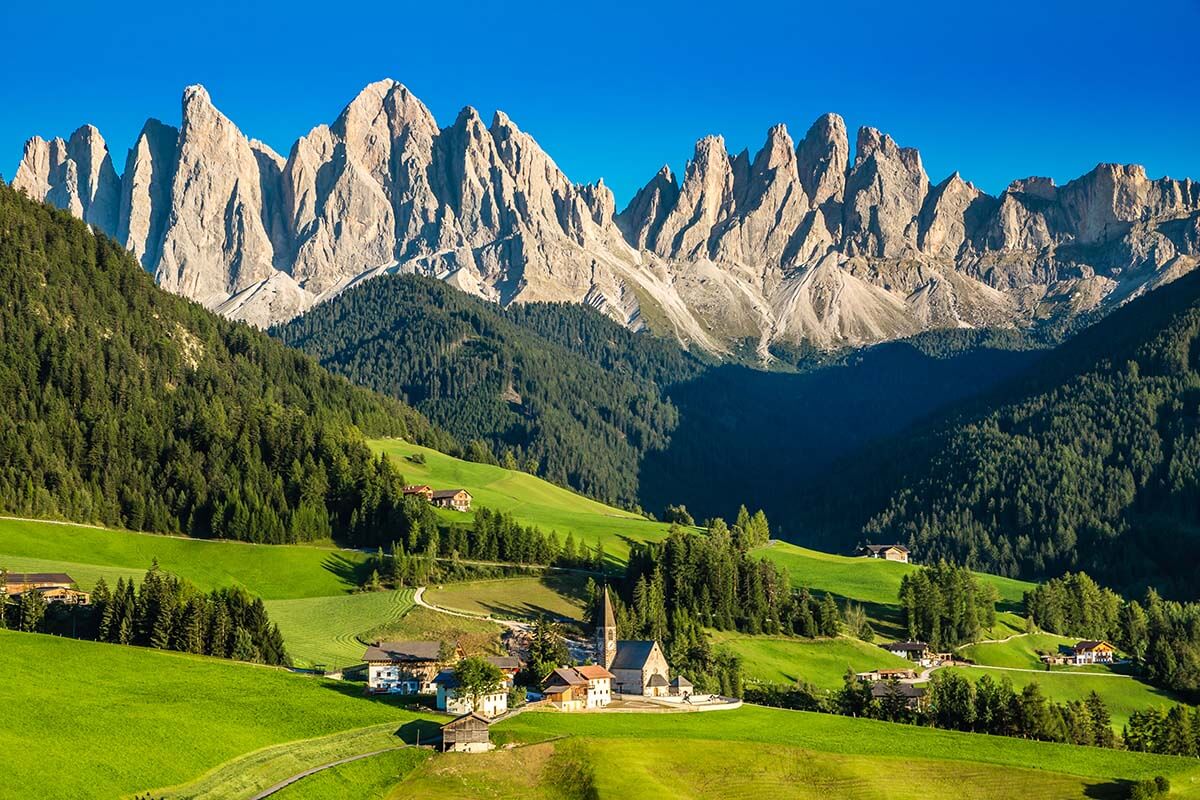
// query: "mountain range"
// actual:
[[802, 243]]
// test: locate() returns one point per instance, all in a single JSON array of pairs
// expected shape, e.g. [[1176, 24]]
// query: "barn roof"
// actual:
[[444, 494], [906, 647], [403, 651], [467, 721], [40, 577]]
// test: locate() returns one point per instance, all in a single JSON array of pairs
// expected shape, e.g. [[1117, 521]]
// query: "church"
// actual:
[[637, 667]]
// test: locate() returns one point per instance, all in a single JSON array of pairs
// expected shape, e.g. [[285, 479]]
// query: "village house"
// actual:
[[404, 667], [915, 697], [470, 733], [681, 687], [913, 651], [455, 499], [509, 666], [577, 688], [638, 667], [54, 587], [1094, 652], [889, 552], [449, 698], [887, 675], [420, 490]]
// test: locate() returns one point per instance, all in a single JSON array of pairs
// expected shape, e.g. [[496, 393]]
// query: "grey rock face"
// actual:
[[796, 242]]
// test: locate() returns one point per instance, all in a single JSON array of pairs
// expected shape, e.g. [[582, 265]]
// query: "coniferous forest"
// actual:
[[124, 405]]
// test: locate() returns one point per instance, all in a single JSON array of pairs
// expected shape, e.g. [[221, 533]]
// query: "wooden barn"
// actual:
[[470, 733]]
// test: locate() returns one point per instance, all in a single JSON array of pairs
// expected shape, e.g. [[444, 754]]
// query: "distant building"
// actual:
[[1093, 652], [420, 490], [915, 697], [449, 698], [681, 686], [54, 587], [456, 499], [1056, 659], [913, 651], [470, 733], [508, 665], [403, 667], [887, 675], [888, 552], [638, 667], [577, 688]]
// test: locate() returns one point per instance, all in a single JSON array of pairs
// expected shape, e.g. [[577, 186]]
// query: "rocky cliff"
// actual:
[[798, 243]]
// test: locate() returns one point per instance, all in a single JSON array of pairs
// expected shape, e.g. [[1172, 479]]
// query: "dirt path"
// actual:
[[286, 782], [580, 650]]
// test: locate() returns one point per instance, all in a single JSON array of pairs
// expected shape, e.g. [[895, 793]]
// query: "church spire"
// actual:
[[606, 633]]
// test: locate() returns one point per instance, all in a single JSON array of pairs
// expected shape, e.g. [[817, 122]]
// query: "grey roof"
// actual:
[[632, 655], [906, 647], [610, 621], [441, 494], [680, 681], [656, 680], [879, 548], [40, 577], [885, 688], [459, 722], [403, 651], [504, 662], [565, 675]]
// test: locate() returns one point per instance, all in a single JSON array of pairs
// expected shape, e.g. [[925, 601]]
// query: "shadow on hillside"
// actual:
[[760, 438], [1116, 790], [347, 569]]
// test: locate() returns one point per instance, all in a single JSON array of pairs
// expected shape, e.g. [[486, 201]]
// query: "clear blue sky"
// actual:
[[616, 90]]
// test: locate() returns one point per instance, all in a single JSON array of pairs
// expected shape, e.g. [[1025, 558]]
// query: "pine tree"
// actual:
[[243, 646]]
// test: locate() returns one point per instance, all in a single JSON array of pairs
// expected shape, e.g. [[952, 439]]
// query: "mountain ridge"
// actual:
[[801, 242]]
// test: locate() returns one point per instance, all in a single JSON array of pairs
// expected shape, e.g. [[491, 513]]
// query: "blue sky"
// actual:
[[617, 90]]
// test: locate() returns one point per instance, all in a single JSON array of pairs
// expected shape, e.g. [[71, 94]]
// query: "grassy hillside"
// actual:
[[371, 778], [126, 719], [531, 500], [1019, 652], [821, 662], [826, 733], [269, 571], [555, 594], [334, 630], [658, 768]]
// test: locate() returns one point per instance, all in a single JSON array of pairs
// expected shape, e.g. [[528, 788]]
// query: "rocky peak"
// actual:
[[951, 217], [1041, 188], [77, 175], [642, 219], [823, 157], [705, 198], [146, 191], [885, 192]]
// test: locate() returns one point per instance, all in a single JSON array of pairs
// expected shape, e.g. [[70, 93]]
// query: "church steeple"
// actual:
[[606, 633]]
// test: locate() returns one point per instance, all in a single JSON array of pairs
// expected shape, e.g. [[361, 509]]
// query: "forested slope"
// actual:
[[1090, 461], [564, 392], [125, 405]]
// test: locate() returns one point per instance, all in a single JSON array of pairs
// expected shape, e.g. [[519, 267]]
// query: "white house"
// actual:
[[402, 667], [577, 688], [449, 699]]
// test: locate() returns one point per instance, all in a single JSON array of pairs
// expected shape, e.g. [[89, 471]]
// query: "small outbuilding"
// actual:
[[681, 686], [470, 733]]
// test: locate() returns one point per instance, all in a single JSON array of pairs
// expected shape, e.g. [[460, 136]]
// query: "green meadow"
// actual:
[[1019, 652], [845, 736], [269, 571], [372, 778], [91, 720], [821, 662], [531, 500], [554, 594], [635, 768], [333, 631]]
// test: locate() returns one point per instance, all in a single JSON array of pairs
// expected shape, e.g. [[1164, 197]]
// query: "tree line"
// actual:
[[946, 605], [1162, 637], [125, 405], [165, 612]]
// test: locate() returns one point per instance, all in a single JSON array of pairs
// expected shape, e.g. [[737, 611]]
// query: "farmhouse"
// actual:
[[54, 587], [577, 688], [451, 700], [421, 490], [638, 667], [1093, 652], [915, 697], [456, 499], [509, 665], [913, 651], [889, 552], [469, 733], [887, 675], [404, 667]]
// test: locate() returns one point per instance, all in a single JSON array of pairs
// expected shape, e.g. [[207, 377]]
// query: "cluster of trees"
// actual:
[[1091, 461], [1172, 732], [1161, 636], [710, 578], [165, 612], [125, 405], [956, 703], [557, 390], [946, 605]]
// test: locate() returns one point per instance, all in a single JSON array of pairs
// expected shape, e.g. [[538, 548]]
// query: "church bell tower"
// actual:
[[606, 633]]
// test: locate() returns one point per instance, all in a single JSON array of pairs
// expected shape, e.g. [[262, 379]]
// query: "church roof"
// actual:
[[656, 680], [610, 621], [632, 655]]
